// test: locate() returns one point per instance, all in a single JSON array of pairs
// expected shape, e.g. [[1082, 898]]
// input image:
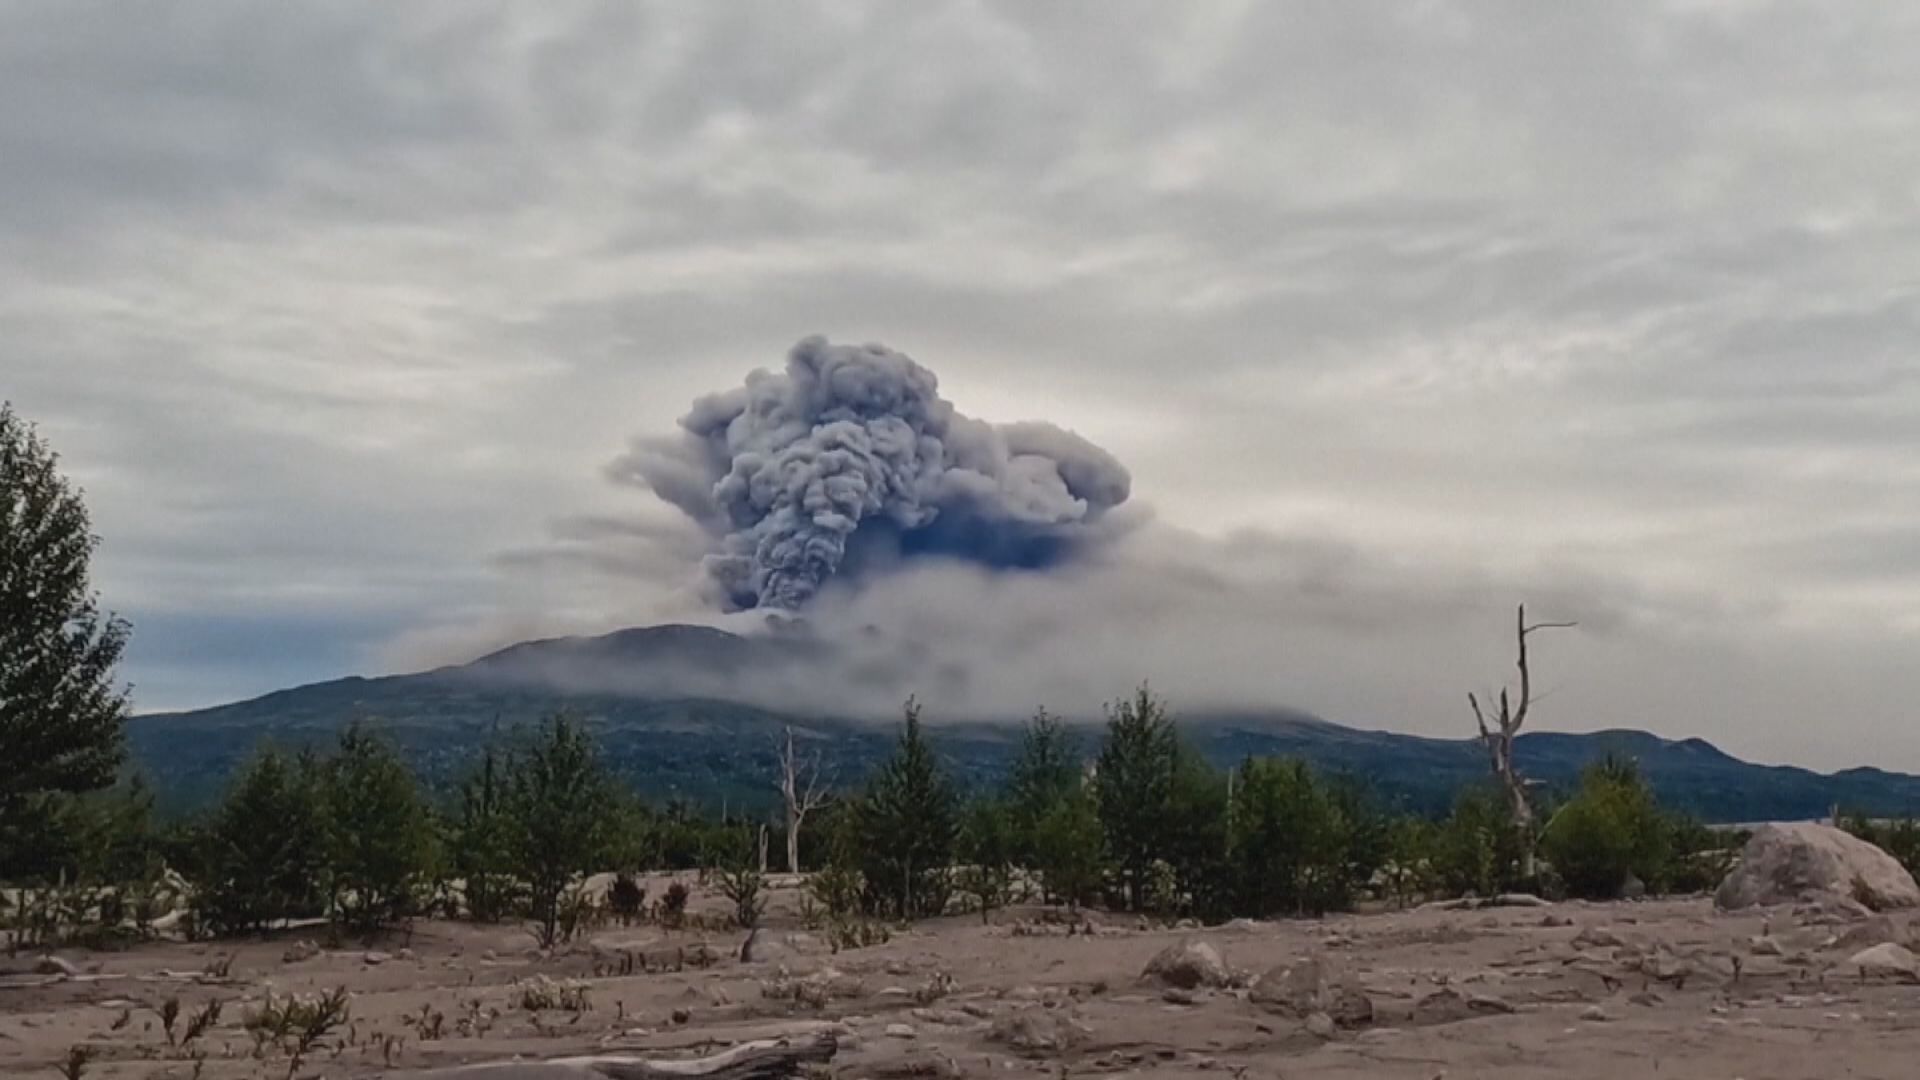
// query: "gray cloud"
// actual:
[[338, 311]]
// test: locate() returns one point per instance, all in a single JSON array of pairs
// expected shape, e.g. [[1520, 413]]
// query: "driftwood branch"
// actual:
[[764, 1059]]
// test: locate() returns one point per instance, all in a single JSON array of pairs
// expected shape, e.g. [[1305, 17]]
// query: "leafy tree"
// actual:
[[1476, 849], [987, 852], [1046, 772], [907, 822], [379, 831], [483, 838], [262, 856], [61, 716], [1194, 838], [1289, 840], [1611, 830], [1134, 786], [560, 802], [1070, 849]]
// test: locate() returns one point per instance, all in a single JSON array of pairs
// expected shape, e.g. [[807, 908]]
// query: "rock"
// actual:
[[1312, 984], [1598, 937], [375, 958], [1888, 961], [1646, 999], [1187, 966], [1037, 1031], [1788, 863], [1320, 1025], [1766, 946], [901, 1031], [681, 1015], [1632, 888], [1173, 995], [55, 965], [1551, 921], [1447, 1005], [1594, 1014], [1874, 930], [404, 954], [300, 952]]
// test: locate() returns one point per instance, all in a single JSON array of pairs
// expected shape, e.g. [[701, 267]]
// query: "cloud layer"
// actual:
[[339, 311]]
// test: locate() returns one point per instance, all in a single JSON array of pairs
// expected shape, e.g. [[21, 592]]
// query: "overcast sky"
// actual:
[[1399, 314]]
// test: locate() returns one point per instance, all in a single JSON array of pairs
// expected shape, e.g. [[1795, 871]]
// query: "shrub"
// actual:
[[1610, 830], [263, 853], [1476, 850], [986, 854], [559, 801], [379, 833], [1069, 850], [483, 840], [1293, 842]]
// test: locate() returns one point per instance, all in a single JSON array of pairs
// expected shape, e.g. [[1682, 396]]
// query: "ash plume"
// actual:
[[850, 460]]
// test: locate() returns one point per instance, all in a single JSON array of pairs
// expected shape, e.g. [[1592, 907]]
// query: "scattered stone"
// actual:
[[1187, 966], [1598, 937], [404, 954], [1313, 984], [1792, 862], [1888, 961], [374, 958], [1551, 920], [1321, 1026], [1874, 930], [901, 1031], [55, 965], [299, 952], [1646, 999], [1766, 946], [1037, 1031], [1632, 888], [1594, 1014], [1447, 1005], [682, 1015], [1175, 996]]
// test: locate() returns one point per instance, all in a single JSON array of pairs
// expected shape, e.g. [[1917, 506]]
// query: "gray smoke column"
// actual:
[[850, 458]]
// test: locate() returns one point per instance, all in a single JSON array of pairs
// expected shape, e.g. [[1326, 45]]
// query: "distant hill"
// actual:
[[657, 700]]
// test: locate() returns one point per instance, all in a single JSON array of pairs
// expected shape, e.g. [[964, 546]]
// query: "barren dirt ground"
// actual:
[[1665, 988]]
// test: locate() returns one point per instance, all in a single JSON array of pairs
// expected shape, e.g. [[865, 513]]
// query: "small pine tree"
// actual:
[[1610, 830], [379, 832], [1046, 771], [483, 839], [986, 850], [1134, 786], [61, 716], [906, 824], [262, 857], [1070, 850], [561, 804]]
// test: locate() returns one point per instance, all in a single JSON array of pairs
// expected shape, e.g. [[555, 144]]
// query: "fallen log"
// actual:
[[765, 1059]]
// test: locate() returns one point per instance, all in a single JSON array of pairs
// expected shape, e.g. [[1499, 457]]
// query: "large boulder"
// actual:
[[1188, 965], [1784, 864]]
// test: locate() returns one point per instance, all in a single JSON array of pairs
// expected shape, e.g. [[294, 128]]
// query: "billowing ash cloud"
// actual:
[[851, 459]]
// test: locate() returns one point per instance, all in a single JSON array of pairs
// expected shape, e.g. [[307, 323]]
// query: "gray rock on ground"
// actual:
[[1188, 965], [1888, 961], [1789, 863], [1037, 1031], [1313, 984]]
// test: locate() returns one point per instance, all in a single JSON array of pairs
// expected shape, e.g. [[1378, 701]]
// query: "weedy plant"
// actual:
[[541, 993], [295, 1024]]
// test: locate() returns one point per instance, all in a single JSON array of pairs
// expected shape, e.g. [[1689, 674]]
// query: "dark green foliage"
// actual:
[[1134, 785], [906, 824], [986, 850], [560, 802], [1294, 845], [1610, 830], [261, 857], [482, 840], [1194, 839], [1046, 771], [737, 867], [61, 716], [1069, 850], [380, 836], [1475, 850]]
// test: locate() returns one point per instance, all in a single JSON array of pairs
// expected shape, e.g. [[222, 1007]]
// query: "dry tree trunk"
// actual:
[[1498, 739]]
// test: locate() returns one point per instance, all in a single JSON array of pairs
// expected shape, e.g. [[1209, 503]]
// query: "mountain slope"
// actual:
[[655, 698]]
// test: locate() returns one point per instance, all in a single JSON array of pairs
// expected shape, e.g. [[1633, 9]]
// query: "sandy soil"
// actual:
[[1654, 989]]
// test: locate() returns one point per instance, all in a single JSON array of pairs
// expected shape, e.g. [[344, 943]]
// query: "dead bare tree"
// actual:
[[803, 789], [1498, 738]]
